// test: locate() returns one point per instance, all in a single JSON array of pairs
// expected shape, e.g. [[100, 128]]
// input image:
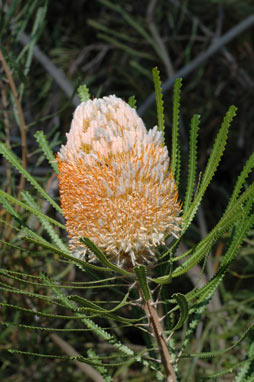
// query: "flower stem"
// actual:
[[155, 324]]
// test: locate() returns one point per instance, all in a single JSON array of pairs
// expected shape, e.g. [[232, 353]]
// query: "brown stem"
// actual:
[[68, 349], [22, 124], [8, 229], [156, 327]]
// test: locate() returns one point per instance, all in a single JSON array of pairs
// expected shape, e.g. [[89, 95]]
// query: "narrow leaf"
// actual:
[[83, 93], [184, 309], [42, 141], [11, 157], [66, 255], [249, 165], [132, 102], [45, 223], [217, 353], [212, 164], [192, 165], [175, 161], [159, 100], [28, 208], [142, 281], [101, 257]]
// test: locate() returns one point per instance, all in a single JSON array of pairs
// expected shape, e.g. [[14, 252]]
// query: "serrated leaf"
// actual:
[[92, 325], [184, 309], [101, 257], [132, 102], [45, 223], [220, 352], [83, 93], [42, 141], [83, 301], [70, 358], [141, 272], [244, 373], [28, 208], [11, 157], [159, 100], [192, 165], [175, 151], [101, 369], [228, 219], [66, 255], [229, 370], [249, 165], [42, 328], [212, 164]]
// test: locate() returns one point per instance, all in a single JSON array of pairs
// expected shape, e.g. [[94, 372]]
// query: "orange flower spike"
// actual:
[[115, 183]]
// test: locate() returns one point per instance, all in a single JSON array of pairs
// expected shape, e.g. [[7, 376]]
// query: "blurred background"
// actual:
[[52, 47]]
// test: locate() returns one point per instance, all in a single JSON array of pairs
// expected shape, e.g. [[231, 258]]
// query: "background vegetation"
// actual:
[[51, 48]]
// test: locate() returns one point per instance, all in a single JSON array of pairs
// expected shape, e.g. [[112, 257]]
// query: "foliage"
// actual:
[[46, 291], [238, 218]]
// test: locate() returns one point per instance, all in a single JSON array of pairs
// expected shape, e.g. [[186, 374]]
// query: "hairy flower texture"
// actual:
[[115, 184]]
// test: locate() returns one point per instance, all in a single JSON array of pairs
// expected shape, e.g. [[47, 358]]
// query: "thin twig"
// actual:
[[242, 76], [161, 48], [155, 324], [56, 73], [215, 302], [7, 167], [22, 124], [203, 57], [84, 53], [69, 350]]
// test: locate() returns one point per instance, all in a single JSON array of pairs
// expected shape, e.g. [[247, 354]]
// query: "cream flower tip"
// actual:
[[115, 183]]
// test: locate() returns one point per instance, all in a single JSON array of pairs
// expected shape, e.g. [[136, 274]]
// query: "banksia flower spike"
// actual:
[[116, 187]]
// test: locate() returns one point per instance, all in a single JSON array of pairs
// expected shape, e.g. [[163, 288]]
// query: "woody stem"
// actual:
[[154, 321]]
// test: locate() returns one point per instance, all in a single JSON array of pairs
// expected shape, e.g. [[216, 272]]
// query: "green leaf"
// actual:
[[24, 227], [101, 369], [66, 255], [240, 181], [175, 151], [163, 279], [90, 324], [28, 208], [24, 15], [99, 311], [132, 102], [228, 219], [212, 164], [45, 223], [229, 371], [63, 357], [42, 141], [240, 233], [132, 21], [159, 100], [83, 93], [11, 157], [217, 353], [141, 272], [192, 164], [198, 309], [41, 314], [83, 301], [184, 309], [101, 257], [125, 47], [245, 370], [42, 328], [110, 31]]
